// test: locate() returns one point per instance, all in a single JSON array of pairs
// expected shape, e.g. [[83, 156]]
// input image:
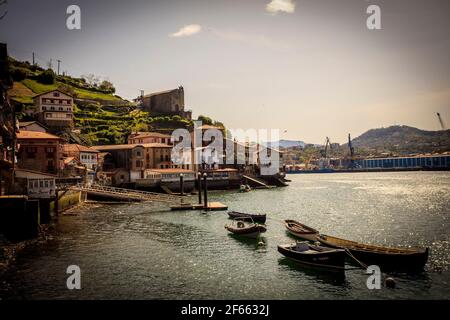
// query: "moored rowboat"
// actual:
[[385, 257], [312, 255], [301, 231], [246, 229], [260, 218]]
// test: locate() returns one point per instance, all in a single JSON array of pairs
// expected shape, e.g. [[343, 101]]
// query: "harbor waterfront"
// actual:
[[144, 251]]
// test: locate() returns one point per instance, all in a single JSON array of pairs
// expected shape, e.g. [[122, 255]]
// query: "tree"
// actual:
[[105, 85], [47, 77], [205, 120], [91, 79], [18, 74]]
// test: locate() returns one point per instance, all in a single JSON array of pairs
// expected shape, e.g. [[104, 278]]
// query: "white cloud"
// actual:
[[187, 31], [276, 6]]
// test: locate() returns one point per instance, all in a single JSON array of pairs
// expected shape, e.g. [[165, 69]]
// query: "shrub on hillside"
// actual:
[[47, 77], [18, 74], [107, 86]]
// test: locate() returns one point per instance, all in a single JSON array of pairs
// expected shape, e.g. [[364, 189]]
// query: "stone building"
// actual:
[[39, 151], [54, 109], [169, 102]]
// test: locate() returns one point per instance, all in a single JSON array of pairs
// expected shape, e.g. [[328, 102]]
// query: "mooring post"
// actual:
[[205, 190], [56, 209], [181, 184], [199, 182]]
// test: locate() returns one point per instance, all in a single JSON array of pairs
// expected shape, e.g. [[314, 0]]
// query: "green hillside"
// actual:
[[100, 116]]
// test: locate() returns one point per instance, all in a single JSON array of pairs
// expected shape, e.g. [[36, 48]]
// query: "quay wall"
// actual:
[[19, 218]]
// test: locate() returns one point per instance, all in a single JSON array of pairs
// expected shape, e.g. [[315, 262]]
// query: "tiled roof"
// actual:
[[22, 134], [130, 146], [150, 134], [160, 92], [78, 148], [38, 95]]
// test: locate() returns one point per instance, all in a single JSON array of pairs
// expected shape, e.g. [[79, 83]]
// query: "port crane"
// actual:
[[327, 145], [440, 121], [352, 152]]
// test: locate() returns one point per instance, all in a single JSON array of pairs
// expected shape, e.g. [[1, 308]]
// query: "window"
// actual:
[[167, 158], [56, 94], [161, 158], [48, 115], [61, 109], [31, 152], [138, 153], [68, 115], [52, 108], [44, 108], [138, 163]]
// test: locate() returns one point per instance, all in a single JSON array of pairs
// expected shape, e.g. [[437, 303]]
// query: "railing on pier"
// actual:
[[130, 194], [257, 181]]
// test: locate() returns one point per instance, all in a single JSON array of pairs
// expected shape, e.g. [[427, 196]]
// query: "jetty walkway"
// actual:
[[130, 194]]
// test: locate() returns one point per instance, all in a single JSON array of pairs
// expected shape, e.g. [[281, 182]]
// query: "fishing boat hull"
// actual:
[[253, 231], [260, 218], [325, 258], [301, 231], [386, 258]]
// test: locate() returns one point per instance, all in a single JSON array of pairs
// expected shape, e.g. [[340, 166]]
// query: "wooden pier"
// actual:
[[123, 194], [212, 206]]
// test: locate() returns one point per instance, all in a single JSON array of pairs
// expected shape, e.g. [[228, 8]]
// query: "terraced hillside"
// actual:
[[101, 117]]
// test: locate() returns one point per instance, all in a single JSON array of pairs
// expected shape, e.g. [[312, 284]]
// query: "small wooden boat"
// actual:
[[384, 257], [312, 255], [247, 229], [301, 231], [260, 218], [245, 188]]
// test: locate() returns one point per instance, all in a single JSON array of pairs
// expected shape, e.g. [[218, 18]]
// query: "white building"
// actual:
[[54, 109]]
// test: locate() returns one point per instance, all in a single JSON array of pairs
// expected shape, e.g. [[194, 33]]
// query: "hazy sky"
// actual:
[[308, 67]]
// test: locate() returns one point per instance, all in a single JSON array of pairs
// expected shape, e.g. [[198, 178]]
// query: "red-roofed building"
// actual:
[[39, 151], [88, 157], [149, 137]]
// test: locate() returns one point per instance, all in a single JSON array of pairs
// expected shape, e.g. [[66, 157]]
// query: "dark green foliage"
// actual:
[[205, 120], [47, 77], [18, 74]]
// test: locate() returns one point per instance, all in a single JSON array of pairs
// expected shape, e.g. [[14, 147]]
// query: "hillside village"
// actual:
[[65, 130]]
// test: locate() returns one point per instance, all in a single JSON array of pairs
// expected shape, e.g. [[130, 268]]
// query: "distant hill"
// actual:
[[402, 140]]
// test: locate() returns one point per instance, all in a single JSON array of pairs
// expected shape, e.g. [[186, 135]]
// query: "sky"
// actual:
[[310, 68]]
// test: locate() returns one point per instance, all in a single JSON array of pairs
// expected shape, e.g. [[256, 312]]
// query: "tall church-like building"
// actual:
[[169, 102]]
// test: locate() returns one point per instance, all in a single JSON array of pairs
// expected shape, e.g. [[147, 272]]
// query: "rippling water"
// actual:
[[141, 251]]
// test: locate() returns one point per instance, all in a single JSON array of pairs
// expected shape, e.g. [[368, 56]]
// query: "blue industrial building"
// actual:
[[422, 161]]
